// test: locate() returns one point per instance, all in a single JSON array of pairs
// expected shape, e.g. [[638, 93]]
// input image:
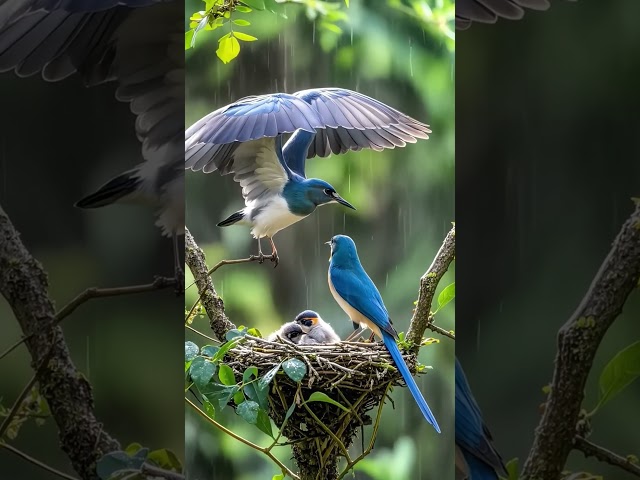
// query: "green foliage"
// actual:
[[396, 463], [621, 370], [217, 385], [512, 470], [323, 397], [128, 464], [295, 369], [446, 295]]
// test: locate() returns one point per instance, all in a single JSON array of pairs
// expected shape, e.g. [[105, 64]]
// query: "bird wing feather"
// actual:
[[472, 435], [359, 291], [489, 11]]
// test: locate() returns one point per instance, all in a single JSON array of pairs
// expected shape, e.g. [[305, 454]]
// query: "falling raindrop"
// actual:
[[410, 58]]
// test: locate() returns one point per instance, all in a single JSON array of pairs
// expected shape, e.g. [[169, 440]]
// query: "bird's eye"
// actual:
[[329, 193]]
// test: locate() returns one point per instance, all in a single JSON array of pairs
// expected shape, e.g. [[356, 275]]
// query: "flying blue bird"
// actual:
[[246, 139], [357, 295], [476, 457], [110, 41]]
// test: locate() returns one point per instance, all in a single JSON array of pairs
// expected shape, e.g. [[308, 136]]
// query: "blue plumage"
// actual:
[[245, 138], [473, 439], [358, 296]]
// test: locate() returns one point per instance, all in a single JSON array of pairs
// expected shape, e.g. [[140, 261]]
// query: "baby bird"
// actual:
[[290, 331], [316, 329]]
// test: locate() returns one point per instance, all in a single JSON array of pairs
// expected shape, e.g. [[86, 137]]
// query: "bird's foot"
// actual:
[[258, 258], [178, 276], [274, 258]]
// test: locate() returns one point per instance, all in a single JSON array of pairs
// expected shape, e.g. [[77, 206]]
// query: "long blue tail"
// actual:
[[391, 345]]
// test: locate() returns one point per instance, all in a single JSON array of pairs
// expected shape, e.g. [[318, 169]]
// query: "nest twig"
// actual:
[[357, 375]]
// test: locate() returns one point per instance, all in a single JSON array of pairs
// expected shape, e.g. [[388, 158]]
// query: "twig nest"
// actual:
[[333, 389]]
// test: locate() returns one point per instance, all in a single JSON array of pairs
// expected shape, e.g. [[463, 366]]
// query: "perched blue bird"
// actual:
[[246, 138], [357, 295], [476, 457]]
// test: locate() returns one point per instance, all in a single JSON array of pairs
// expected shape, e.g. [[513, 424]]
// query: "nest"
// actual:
[[357, 375]]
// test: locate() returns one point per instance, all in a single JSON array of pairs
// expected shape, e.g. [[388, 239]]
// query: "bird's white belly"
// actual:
[[354, 314], [273, 218]]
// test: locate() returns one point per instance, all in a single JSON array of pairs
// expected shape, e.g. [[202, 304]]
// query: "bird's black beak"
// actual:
[[342, 201]]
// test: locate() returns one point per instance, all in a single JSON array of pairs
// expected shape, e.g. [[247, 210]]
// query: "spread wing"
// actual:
[[353, 121], [256, 165], [489, 11]]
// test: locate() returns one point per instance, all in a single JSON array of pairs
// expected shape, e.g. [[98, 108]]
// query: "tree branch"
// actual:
[[23, 282], [213, 304], [35, 461], [578, 342], [592, 450], [422, 318]]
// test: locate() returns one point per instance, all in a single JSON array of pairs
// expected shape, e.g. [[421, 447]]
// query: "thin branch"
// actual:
[[265, 450], [592, 450], [158, 472], [36, 462], [23, 282], [422, 318], [213, 304], [222, 263], [94, 292], [16, 406], [578, 342]]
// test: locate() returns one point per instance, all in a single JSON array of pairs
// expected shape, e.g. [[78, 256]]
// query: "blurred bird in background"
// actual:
[[489, 11], [101, 42], [246, 138], [357, 295], [476, 457]]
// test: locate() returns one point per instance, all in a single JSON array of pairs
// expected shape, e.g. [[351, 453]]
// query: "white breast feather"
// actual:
[[353, 314]]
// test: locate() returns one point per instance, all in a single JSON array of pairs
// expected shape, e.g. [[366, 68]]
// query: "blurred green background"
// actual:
[[404, 197], [59, 142], [546, 162]]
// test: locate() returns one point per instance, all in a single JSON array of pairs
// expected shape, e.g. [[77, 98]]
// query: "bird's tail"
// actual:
[[479, 470], [234, 218], [392, 346], [115, 189]]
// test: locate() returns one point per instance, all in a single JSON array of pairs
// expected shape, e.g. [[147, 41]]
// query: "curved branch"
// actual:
[[422, 318], [592, 450], [213, 304], [23, 282], [578, 342]]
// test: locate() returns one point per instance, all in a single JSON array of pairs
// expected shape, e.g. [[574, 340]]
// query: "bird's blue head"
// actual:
[[308, 318], [343, 252], [304, 196]]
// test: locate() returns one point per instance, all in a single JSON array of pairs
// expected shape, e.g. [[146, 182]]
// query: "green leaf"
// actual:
[[623, 369], [209, 350], [209, 409], [255, 4], [113, 462], [347, 3], [225, 374], [248, 410], [243, 9], [264, 423], [248, 373], [279, 476], [446, 295], [244, 37], [290, 410], [188, 39], [165, 459], [238, 398], [295, 369], [201, 371], [235, 333], [241, 23], [265, 380], [190, 351], [254, 332], [132, 448], [219, 355], [323, 397], [512, 469], [228, 49], [219, 395], [331, 27]]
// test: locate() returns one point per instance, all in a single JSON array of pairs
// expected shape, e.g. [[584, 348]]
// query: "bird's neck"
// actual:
[[295, 193]]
